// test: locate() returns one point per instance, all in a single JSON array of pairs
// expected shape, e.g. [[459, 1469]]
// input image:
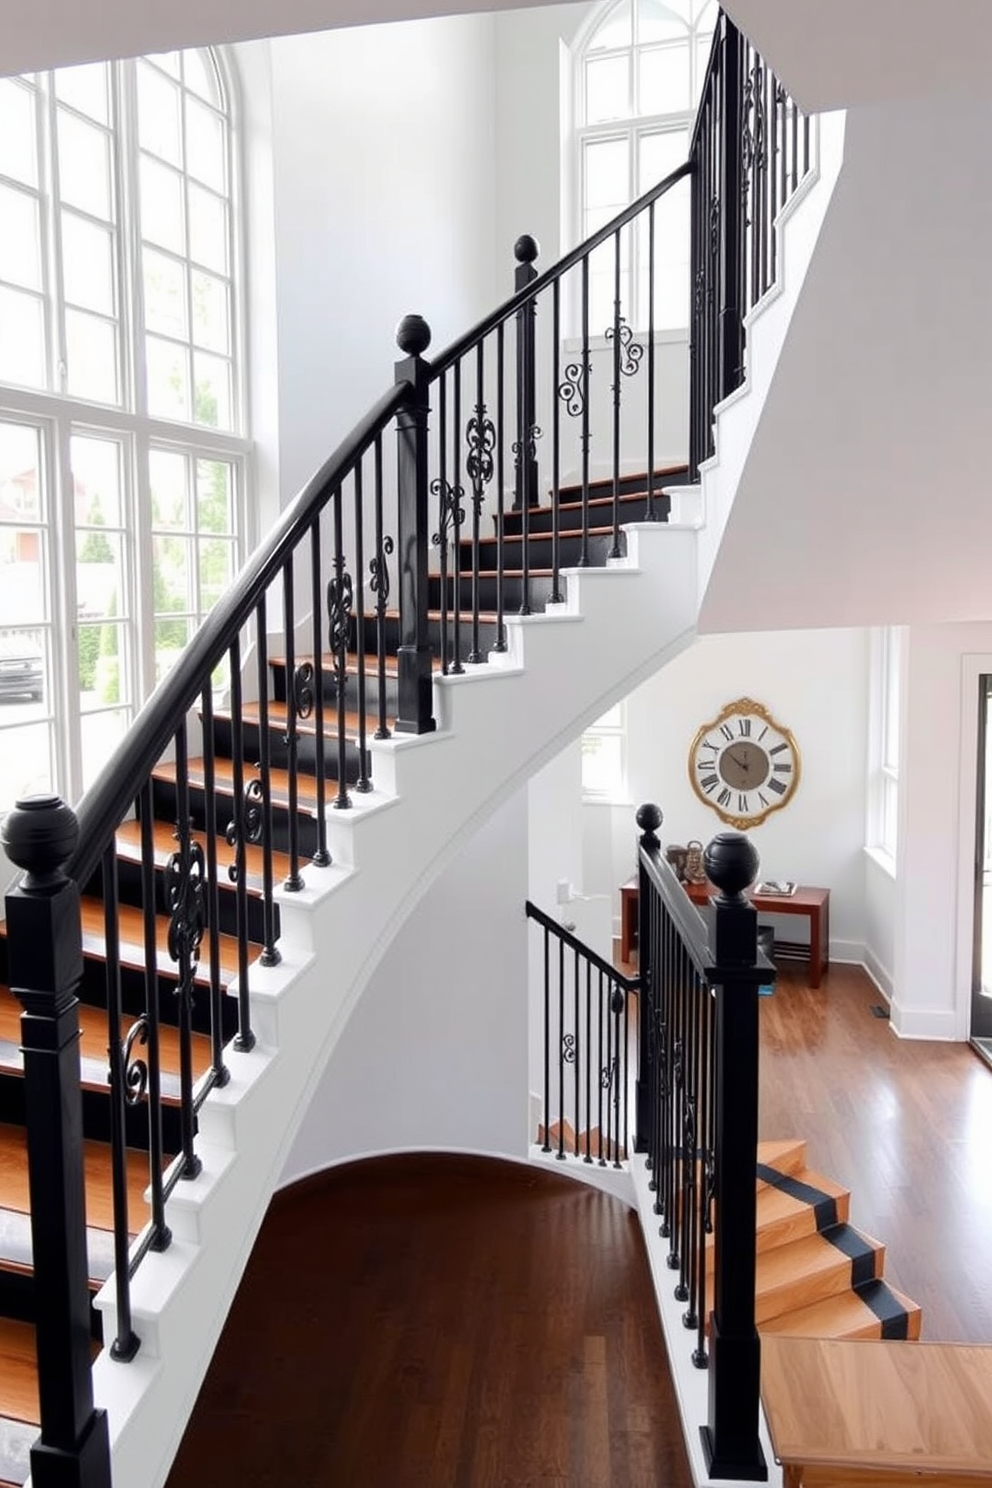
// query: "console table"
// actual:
[[813, 903]]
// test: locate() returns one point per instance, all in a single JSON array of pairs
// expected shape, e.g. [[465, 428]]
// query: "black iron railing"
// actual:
[[697, 1119], [588, 1037], [750, 150], [227, 780]]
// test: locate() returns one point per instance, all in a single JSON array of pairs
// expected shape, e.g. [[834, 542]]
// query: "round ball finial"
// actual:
[[526, 248], [731, 862], [40, 835], [413, 335], [649, 818]]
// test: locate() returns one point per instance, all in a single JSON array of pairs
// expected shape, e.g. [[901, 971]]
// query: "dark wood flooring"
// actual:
[[906, 1125], [436, 1321]]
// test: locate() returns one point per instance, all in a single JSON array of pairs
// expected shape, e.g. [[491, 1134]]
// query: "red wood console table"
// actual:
[[813, 903]]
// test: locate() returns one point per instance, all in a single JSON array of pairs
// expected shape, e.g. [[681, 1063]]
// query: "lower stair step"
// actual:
[[814, 1268], [875, 1310]]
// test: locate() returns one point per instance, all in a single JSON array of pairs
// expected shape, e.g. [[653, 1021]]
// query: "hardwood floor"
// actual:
[[440, 1321], [906, 1125]]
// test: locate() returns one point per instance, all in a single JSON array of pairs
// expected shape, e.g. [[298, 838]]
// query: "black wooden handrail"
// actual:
[[447, 358], [688, 920], [628, 983], [106, 804]]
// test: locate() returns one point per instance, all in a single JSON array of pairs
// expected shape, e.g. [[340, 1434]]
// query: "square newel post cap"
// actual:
[[45, 955]]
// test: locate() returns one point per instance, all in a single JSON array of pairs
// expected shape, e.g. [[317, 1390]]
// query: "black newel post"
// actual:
[[731, 286], [44, 940], [416, 699], [525, 251], [649, 818], [730, 1438]]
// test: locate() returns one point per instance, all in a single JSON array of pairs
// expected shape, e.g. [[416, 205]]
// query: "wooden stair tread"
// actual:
[[93, 1042], [98, 1178], [18, 1372], [786, 1154], [807, 1271], [307, 727], [164, 845], [224, 780], [131, 935], [843, 1315]]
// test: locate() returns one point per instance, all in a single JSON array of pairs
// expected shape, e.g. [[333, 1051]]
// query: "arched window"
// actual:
[[123, 447], [639, 69]]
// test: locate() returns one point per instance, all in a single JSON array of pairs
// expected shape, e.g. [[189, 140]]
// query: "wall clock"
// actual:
[[744, 764]]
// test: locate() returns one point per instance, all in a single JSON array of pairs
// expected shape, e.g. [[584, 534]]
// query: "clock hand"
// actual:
[[743, 764]]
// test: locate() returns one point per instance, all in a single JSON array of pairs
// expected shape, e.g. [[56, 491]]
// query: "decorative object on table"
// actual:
[[676, 856], [744, 764], [776, 886], [695, 870]]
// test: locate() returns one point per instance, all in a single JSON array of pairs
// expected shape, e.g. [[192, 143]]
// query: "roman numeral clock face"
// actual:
[[744, 764]]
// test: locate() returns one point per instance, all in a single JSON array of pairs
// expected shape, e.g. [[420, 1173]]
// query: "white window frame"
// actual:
[[634, 129], [59, 415], [611, 725], [885, 720]]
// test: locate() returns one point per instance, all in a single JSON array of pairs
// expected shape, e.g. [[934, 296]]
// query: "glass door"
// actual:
[[981, 982]]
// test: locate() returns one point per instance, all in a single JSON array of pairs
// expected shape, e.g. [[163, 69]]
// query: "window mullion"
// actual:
[[64, 609], [129, 276]]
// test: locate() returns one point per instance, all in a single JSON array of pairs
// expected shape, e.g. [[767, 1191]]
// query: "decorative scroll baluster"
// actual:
[[238, 835], [379, 584], [270, 953], [293, 882], [363, 783], [219, 1073], [480, 435], [627, 355], [556, 594], [321, 857], [126, 1342], [441, 489], [161, 1234], [547, 1042], [576, 1071], [561, 1051], [500, 492], [457, 518], [588, 1062], [185, 898], [340, 595]]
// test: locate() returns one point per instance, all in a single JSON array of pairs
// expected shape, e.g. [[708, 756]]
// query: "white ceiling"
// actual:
[[48, 33], [835, 53]]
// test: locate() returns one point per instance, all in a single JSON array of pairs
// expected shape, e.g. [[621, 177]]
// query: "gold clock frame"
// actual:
[[748, 706]]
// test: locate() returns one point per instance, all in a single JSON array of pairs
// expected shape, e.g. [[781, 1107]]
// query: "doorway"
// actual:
[[981, 980]]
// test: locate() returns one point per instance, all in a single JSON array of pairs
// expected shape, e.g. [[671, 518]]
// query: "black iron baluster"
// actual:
[[161, 1234], [340, 593], [576, 1071], [650, 514], [561, 1051], [618, 1071], [599, 1066], [588, 1058], [363, 783], [547, 1042], [585, 368], [626, 1074], [556, 594], [442, 490], [705, 1164], [270, 954], [321, 857], [689, 1129], [379, 584], [457, 517], [500, 492], [293, 882], [126, 1342], [219, 1073], [245, 826], [481, 437], [185, 899], [613, 333]]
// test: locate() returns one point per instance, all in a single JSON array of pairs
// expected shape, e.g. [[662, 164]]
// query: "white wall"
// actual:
[[867, 477], [813, 682], [433, 1054], [934, 903], [383, 159]]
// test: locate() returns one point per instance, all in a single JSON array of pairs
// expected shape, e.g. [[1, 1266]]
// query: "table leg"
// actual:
[[819, 930]]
